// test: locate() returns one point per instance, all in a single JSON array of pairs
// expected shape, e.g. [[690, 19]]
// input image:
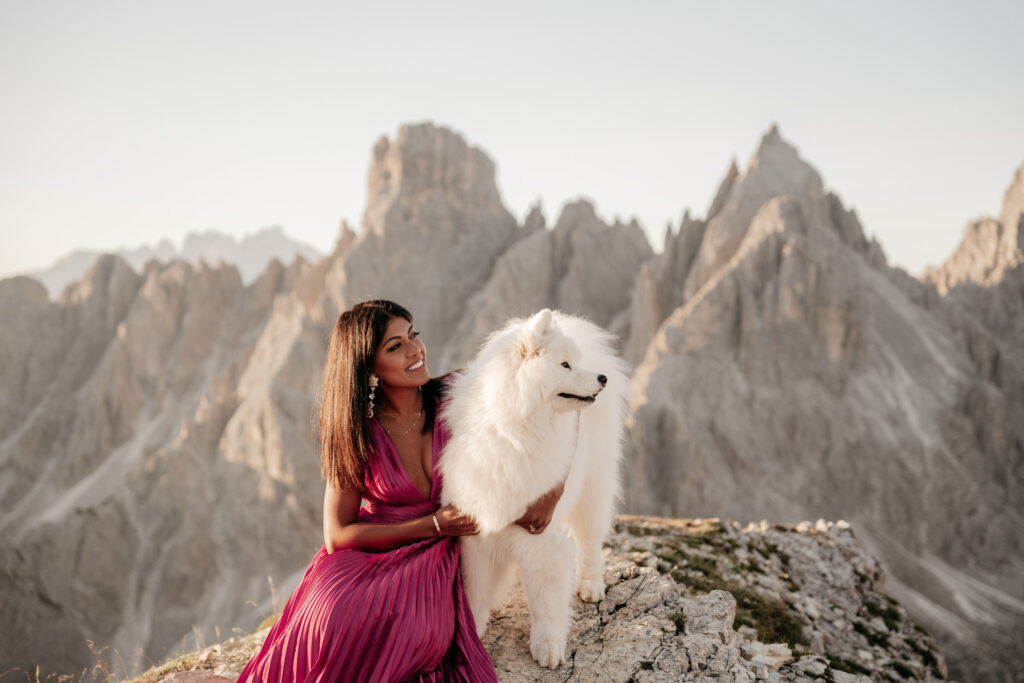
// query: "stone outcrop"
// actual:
[[702, 601]]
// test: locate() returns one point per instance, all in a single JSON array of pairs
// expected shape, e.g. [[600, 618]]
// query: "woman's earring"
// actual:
[[374, 381]]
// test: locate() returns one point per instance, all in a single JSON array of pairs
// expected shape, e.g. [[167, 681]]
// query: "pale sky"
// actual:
[[124, 122]]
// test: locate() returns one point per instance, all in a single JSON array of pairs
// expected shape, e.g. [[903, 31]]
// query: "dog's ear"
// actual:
[[536, 333]]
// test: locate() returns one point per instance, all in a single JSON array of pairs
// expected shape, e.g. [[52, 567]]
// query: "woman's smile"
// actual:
[[400, 355]]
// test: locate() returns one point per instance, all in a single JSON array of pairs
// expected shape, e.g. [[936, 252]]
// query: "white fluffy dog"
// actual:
[[542, 403]]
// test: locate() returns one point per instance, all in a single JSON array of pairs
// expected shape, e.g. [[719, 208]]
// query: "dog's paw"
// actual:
[[591, 591], [548, 653]]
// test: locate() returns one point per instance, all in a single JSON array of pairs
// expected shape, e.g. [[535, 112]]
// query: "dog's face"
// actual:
[[551, 363]]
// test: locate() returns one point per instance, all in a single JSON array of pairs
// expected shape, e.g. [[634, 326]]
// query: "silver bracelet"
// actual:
[[436, 525]]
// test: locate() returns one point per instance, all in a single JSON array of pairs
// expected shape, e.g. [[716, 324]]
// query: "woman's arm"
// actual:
[[540, 512], [343, 530]]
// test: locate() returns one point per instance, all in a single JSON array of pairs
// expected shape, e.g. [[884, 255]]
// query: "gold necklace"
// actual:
[[415, 421]]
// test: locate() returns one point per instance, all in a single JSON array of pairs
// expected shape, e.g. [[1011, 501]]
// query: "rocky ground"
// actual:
[[699, 600]]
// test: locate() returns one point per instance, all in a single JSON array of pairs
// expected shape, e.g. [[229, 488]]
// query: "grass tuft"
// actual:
[[889, 614], [873, 637], [903, 670], [679, 557], [185, 662], [847, 665], [926, 655], [679, 619], [751, 567], [773, 619]]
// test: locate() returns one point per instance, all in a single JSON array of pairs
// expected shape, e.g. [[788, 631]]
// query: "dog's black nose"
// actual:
[[602, 379]]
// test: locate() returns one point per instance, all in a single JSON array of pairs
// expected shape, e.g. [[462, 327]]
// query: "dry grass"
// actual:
[[101, 671], [225, 659]]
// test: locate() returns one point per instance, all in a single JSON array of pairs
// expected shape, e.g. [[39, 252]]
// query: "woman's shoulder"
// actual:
[[438, 387]]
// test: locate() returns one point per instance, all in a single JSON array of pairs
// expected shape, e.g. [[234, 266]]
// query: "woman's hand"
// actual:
[[539, 514], [455, 523]]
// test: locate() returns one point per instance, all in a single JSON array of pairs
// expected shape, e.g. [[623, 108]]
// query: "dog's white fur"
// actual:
[[513, 439]]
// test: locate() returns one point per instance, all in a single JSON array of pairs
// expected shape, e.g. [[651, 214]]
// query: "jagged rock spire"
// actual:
[[724, 188], [989, 247]]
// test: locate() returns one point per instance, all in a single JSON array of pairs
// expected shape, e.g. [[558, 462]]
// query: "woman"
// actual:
[[383, 599]]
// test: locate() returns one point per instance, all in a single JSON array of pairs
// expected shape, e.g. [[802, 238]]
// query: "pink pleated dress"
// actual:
[[394, 616]]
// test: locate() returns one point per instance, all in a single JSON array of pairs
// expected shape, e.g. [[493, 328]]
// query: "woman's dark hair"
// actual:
[[346, 431]]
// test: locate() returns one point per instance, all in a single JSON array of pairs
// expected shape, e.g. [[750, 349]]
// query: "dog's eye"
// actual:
[[565, 364]]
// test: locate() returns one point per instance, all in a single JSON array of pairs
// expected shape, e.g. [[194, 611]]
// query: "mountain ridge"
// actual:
[[250, 254], [788, 373]]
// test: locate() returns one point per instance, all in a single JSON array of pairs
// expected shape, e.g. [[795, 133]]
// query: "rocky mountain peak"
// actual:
[[346, 238], [804, 308], [771, 136], [575, 213], [748, 207], [425, 163], [669, 235], [776, 167], [21, 291], [582, 266], [724, 188], [1013, 206], [433, 215], [250, 255], [535, 219], [774, 170], [31, 344], [109, 274], [989, 247]]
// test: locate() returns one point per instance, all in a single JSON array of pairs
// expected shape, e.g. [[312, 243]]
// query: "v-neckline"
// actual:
[[401, 465]]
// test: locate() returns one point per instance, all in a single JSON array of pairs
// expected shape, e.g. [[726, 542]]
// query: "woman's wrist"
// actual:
[[437, 525]]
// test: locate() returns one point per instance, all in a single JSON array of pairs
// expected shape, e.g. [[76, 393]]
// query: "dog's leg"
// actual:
[[590, 521], [547, 565], [482, 577]]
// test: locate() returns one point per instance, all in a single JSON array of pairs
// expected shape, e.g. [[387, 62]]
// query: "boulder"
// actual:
[[703, 601]]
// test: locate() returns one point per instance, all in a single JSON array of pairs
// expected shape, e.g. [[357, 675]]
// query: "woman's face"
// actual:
[[401, 359]]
